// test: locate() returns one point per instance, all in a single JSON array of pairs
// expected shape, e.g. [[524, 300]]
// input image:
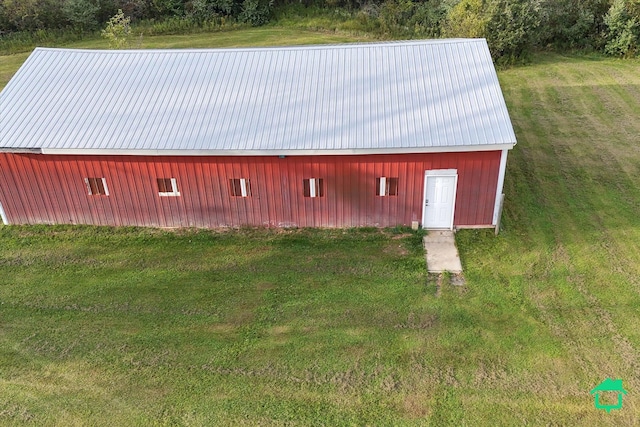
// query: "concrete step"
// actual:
[[441, 252]]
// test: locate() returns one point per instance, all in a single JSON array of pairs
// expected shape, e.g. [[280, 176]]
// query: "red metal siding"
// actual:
[[51, 189]]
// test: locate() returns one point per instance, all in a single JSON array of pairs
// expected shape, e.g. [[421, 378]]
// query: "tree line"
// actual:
[[513, 28]]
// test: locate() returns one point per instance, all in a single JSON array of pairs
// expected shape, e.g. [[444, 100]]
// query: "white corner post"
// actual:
[[3, 216], [497, 209]]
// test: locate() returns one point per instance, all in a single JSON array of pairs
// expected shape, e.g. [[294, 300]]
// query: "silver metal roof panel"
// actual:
[[413, 96]]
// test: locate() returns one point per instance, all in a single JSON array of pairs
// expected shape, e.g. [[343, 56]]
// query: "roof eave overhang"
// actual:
[[21, 150], [334, 152]]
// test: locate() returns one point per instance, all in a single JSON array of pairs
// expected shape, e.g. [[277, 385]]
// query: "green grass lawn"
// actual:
[[308, 327], [264, 36], [141, 326]]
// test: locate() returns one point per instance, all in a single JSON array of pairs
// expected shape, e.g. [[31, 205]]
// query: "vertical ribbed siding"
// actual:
[[51, 189]]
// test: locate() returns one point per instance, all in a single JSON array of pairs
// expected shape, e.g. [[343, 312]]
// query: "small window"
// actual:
[[167, 187], [386, 186], [97, 186], [313, 187], [240, 187]]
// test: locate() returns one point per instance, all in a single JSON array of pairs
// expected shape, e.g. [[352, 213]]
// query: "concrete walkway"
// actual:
[[442, 254]]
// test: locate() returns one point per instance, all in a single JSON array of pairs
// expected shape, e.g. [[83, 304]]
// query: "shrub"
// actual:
[[468, 18], [118, 31]]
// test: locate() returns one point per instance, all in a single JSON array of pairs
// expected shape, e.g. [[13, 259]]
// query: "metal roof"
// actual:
[[412, 96]]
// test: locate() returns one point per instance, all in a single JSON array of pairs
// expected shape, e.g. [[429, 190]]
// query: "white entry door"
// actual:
[[439, 198]]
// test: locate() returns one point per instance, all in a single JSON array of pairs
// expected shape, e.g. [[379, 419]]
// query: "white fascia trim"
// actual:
[[324, 46], [329, 152], [499, 187], [3, 215], [20, 150]]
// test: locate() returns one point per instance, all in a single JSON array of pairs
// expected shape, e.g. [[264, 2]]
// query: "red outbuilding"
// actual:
[[375, 134]]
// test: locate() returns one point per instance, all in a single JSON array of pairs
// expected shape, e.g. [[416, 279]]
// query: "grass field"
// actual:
[[304, 327], [264, 36]]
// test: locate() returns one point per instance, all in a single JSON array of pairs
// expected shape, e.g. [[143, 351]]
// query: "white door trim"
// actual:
[[440, 173], [3, 216]]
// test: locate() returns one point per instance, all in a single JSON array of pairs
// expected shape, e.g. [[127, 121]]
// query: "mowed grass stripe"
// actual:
[[275, 355], [591, 183], [612, 208]]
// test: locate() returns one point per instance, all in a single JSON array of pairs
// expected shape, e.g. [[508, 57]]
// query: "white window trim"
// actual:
[[383, 186], [312, 187], [104, 184], [243, 187], [174, 188]]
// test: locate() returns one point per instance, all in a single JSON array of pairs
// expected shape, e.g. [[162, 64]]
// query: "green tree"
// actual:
[[4, 22], [118, 31], [428, 17], [571, 23], [511, 28], [81, 14], [622, 30], [200, 11], [134, 9], [394, 17], [33, 15], [468, 18], [160, 8], [255, 12]]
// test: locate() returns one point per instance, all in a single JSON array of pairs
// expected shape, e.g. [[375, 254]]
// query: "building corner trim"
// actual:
[[503, 167], [3, 216]]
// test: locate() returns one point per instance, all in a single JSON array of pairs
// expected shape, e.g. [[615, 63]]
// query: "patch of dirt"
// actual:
[[222, 328], [395, 249], [424, 321], [280, 330], [265, 286], [416, 406], [400, 236], [439, 282], [16, 413], [443, 279], [457, 279]]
